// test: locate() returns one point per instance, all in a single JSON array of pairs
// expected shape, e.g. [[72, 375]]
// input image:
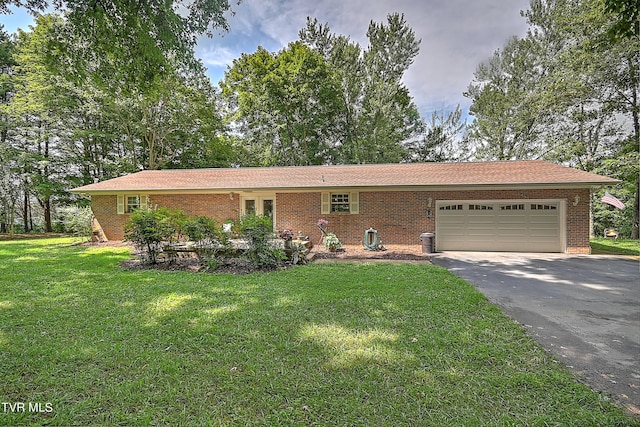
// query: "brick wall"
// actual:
[[399, 216], [217, 206], [106, 212]]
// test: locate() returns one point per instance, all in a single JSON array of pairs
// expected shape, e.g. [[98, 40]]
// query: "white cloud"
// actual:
[[217, 56], [456, 36]]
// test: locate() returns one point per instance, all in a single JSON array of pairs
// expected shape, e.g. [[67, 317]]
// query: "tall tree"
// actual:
[[444, 139], [175, 123], [285, 105], [591, 82], [9, 177], [567, 92], [59, 133], [378, 114], [507, 119], [130, 42]]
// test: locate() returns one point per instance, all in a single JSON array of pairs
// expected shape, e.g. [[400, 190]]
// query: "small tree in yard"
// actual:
[[75, 220], [258, 232], [147, 229]]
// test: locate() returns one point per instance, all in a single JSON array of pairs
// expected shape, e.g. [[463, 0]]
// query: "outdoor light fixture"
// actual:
[[576, 200], [231, 196], [429, 214]]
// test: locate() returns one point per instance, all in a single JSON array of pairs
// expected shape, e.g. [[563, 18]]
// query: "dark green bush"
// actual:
[[208, 239], [148, 229], [258, 232]]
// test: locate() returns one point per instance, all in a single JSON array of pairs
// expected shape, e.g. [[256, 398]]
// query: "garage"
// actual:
[[500, 225]]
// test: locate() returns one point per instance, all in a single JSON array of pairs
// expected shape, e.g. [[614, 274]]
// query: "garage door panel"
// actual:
[[500, 225]]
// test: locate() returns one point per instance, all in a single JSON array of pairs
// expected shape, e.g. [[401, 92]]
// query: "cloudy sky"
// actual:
[[456, 36]]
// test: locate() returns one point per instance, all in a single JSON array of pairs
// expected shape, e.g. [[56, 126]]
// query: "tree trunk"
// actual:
[[635, 113], [47, 215], [636, 214], [25, 212]]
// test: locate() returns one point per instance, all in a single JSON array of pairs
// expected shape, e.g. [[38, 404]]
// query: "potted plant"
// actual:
[[287, 236], [331, 242]]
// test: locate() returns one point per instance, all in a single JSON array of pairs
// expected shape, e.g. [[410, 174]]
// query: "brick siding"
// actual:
[[217, 206], [399, 216]]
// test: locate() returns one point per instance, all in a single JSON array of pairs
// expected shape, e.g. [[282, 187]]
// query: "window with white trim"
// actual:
[[133, 203], [344, 202], [340, 202], [127, 203]]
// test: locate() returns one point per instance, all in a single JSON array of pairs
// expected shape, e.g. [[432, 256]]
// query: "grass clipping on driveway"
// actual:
[[323, 344]]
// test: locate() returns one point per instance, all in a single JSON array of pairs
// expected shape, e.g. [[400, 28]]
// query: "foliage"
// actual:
[[123, 43], [148, 230], [285, 105], [58, 133], [324, 100], [507, 124], [75, 220], [624, 167], [294, 250], [207, 238], [329, 344], [377, 113], [627, 14], [174, 123], [443, 139], [257, 230]]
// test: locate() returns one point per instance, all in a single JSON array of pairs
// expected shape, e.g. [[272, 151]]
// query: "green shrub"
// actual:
[[258, 232], [208, 239], [148, 229]]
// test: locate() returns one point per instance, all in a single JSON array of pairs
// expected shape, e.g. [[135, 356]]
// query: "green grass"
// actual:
[[324, 344], [615, 246]]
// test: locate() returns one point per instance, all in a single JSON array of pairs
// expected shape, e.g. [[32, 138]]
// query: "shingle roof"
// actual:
[[508, 173]]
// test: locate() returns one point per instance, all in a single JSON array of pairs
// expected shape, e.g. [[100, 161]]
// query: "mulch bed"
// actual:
[[231, 266], [241, 266], [394, 252]]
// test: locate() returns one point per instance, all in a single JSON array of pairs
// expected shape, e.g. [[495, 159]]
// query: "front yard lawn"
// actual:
[[323, 344], [615, 246]]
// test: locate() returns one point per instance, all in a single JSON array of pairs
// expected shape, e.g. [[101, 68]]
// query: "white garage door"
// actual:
[[500, 225]]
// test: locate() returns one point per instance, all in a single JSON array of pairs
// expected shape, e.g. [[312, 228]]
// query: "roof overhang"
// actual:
[[369, 188]]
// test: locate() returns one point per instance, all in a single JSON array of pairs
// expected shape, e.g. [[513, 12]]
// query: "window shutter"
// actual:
[[144, 201], [326, 203], [354, 203], [120, 204]]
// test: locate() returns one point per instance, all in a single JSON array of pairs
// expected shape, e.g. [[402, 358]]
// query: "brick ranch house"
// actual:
[[532, 206]]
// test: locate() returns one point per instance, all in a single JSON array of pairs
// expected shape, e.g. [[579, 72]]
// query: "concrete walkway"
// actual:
[[584, 309]]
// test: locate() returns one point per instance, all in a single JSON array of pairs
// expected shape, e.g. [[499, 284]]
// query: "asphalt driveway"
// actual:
[[584, 309]]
